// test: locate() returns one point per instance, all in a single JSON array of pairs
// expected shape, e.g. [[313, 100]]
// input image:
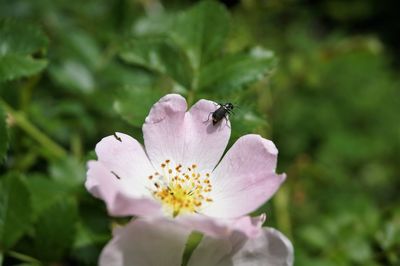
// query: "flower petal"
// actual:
[[184, 137], [119, 177], [271, 248], [145, 242], [120, 199], [205, 143], [246, 225], [245, 178], [126, 158], [164, 130]]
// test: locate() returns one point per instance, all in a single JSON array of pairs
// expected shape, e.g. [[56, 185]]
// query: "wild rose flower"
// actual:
[[178, 176], [152, 242]]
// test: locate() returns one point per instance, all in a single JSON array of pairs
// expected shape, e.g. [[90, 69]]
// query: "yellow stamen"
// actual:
[[181, 192]]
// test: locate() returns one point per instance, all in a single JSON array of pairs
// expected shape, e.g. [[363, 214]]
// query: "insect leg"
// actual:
[[208, 116], [226, 122]]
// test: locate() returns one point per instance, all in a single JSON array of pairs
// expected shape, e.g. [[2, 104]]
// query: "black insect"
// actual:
[[223, 110]]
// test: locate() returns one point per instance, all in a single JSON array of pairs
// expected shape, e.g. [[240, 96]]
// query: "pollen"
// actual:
[[181, 191]]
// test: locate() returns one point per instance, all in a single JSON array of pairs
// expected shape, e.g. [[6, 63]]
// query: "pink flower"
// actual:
[[160, 242], [178, 176]]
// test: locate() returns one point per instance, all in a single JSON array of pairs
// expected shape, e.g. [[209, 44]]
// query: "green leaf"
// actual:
[[55, 230], [74, 76], [44, 193], [88, 244], [154, 25], [201, 31], [246, 121], [236, 71], [3, 134], [314, 237], [83, 46], [20, 37], [17, 43], [133, 103], [68, 172], [15, 210], [358, 249], [158, 54], [14, 66]]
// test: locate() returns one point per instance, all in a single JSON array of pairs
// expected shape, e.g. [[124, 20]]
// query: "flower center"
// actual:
[[181, 189]]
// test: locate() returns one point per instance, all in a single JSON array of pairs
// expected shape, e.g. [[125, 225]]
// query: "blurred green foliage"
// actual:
[[72, 73]]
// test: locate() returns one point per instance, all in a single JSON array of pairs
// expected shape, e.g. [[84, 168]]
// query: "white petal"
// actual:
[[164, 130], [205, 143], [126, 158], [245, 178], [184, 137], [271, 248], [119, 194], [145, 243]]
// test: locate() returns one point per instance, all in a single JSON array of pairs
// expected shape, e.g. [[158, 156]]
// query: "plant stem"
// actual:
[[26, 92], [191, 244], [23, 257], [20, 120], [76, 146], [281, 205], [190, 97]]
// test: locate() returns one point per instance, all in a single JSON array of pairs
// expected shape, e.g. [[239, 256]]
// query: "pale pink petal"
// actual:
[[271, 248], [144, 243], [164, 130], [125, 157], [184, 137], [119, 177], [204, 142], [245, 178], [249, 226], [120, 198], [215, 251]]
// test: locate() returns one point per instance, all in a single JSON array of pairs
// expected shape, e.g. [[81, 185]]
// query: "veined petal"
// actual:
[[120, 199], [125, 158], [205, 143], [270, 248], [245, 178], [171, 133], [119, 177], [246, 225], [164, 130], [145, 242]]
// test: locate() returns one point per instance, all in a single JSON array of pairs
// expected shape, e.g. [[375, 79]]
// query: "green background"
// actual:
[[319, 78]]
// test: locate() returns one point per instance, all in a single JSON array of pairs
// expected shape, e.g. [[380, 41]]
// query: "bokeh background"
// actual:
[[319, 78]]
